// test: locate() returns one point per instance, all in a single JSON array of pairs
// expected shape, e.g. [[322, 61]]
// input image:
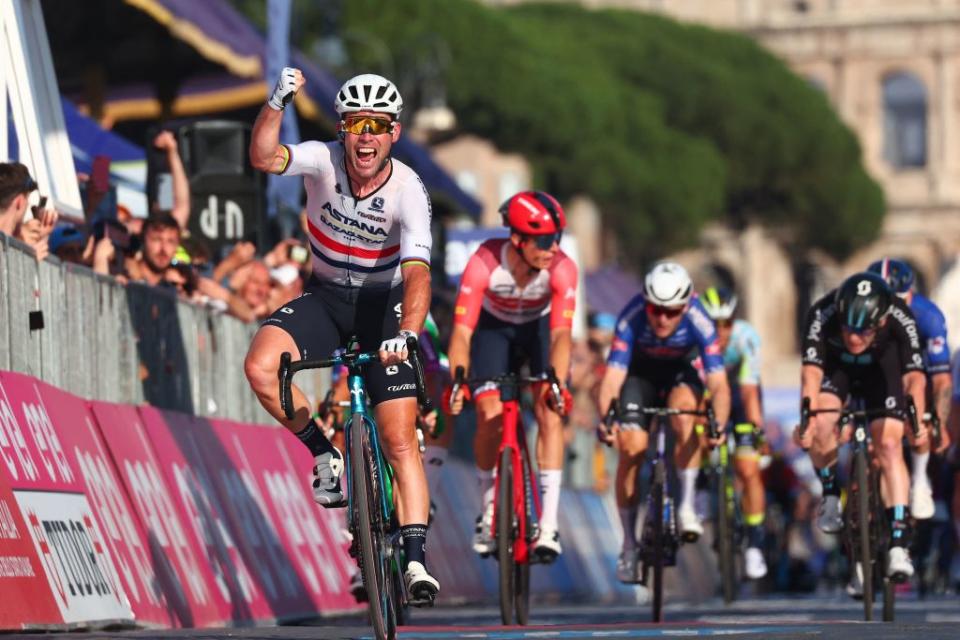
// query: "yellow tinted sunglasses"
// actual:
[[367, 124]]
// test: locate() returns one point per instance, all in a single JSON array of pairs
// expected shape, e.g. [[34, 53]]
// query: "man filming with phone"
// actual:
[[16, 185]]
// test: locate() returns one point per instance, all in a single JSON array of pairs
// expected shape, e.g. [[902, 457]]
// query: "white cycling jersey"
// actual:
[[361, 242]]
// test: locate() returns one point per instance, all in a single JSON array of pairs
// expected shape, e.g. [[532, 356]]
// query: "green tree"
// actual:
[[665, 125]]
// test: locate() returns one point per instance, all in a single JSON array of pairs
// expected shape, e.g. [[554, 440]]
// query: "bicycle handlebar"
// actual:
[[613, 411], [846, 415], [550, 377], [351, 359]]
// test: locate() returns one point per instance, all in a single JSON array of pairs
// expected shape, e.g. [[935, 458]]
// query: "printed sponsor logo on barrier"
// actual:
[[71, 552], [208, 526], [133, 564], [156, 505]]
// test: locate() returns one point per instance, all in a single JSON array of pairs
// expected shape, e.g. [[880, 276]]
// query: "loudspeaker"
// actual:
[[226, 193], [215, 147]]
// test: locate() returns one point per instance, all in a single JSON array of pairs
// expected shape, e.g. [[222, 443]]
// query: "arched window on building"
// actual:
[[904, 121]]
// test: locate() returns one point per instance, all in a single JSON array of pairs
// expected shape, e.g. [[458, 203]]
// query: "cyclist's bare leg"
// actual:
[[261, 365], [887, 434], [632, 445], [747, 468], [823, 451], [688, 447], [397, 422], [550, 434], [486, 441]]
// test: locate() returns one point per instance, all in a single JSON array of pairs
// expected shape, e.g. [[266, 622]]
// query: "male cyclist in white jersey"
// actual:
[[369, 222]]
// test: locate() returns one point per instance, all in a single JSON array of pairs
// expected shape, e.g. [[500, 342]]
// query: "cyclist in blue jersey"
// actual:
[[740, 345], [936, 361], [659, 336]]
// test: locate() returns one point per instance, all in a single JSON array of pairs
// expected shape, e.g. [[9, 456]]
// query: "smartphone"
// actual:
[[298, 254], [165, 191], [38, 208]]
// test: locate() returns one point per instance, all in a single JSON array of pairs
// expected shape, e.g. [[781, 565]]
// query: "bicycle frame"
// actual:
[[526, 492]]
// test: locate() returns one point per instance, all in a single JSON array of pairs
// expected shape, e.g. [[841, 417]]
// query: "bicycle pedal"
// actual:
[[335, 505], [422, 598], [899, 578]]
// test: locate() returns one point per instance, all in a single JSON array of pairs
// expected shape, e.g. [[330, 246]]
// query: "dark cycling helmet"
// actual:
[[862, 301], [719, 302], [897, 273], [533, 213]]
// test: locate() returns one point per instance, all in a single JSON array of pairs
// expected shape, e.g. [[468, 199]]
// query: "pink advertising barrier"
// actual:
[[263, 476], [46, 485], [180, 553]]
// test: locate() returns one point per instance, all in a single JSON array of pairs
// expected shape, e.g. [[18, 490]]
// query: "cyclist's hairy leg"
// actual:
[[550, 464], [260, 366], [887, 434], [396, 420]]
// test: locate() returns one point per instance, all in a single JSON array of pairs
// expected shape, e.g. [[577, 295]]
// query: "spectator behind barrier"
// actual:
[[68, 243], [160, 240], [16, 185]]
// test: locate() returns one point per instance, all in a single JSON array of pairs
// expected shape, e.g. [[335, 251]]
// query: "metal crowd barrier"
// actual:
[[134, 344]]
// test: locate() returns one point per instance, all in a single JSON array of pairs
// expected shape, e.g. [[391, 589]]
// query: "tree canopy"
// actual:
[[665, 125]]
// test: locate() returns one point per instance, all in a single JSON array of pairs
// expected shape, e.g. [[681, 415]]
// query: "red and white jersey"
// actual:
[[357, 242], [488, 284]]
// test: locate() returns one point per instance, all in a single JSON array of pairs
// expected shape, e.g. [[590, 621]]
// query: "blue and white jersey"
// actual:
[[933, 334], [635, 338], [741, 358]]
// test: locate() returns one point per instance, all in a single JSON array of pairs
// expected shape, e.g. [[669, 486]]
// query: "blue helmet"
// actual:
[[897, 273]]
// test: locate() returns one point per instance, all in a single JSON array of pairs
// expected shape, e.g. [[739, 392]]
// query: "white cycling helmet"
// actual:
[[368, 92], [668, 284]]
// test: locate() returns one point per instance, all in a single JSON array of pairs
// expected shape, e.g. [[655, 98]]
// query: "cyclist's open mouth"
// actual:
[[366, 156]]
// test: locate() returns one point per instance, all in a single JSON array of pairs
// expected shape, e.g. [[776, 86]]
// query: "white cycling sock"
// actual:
[[485, 484], [688, 488], [920, 461], [628, 520], [550, 488], [434, 458]]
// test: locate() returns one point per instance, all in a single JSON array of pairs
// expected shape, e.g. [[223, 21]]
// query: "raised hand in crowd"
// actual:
[[167, 142], [241, 254], [36, 231]]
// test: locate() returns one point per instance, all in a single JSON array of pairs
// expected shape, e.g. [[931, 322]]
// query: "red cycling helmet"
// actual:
[[533, 213]]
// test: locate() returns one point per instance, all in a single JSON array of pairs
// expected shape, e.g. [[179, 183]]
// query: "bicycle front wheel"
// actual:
[[505, 536], [657, 541], [862, 475], [365, 486], [521, 584], [724, 534]]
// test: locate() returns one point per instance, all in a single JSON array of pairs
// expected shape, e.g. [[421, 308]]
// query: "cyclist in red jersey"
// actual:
[[516, 302]]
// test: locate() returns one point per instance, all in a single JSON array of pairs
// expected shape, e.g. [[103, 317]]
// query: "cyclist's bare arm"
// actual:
[[811, 377], [266, 152], [416, 296], [915, 386], [942, 397], [750, 396], [561, 344], [720, 395], [458, 354], [613, 379]]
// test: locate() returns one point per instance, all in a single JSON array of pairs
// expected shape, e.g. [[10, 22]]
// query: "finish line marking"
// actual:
[[519, 634]]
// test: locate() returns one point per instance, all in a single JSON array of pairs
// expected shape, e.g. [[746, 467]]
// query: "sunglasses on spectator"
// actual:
[[367, 124], [658, 310], [29, 184], [545, 242]]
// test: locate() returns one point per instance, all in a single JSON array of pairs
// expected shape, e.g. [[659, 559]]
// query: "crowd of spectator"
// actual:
[[248, 282]]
